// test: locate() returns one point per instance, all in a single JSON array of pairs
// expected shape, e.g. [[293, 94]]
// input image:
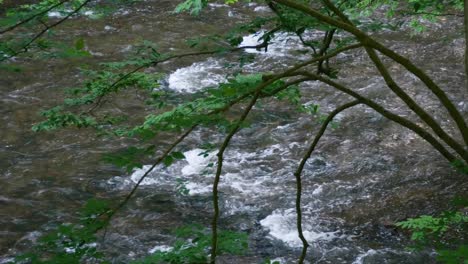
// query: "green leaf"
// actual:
[[129, 158], [80, 44], [168, 160], [192, 6], [11, 68], [178, 155]]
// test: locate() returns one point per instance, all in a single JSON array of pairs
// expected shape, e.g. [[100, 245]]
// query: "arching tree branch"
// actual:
[[219, 169], [414, 106], [300, 168], [370, 42], [396, 118]]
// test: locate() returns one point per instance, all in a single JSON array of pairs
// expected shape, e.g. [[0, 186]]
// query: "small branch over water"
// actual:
[[300, 168]]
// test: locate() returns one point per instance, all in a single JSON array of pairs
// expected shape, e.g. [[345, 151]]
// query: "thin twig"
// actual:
[[307, 44], [22, 22], [158, 161], [214, 223], [25, 47], [300, 168], [327, 40], [432, 14], [109, 214]]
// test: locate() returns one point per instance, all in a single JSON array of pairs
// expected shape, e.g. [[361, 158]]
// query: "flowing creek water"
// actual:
[[366, 174]]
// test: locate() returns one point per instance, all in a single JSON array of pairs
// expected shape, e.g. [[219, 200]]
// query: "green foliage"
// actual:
[[71, 243], [204, 111], [46, 13], [11, 68], [461, 166], [64, 51], [102, 83], [181, 188], [445, 232], [173, 157], [454, 256], [106, 82], [129, 158], [56, 118], [426, 225], [192, 6], [292, 95], [428, 10], [192, 246]]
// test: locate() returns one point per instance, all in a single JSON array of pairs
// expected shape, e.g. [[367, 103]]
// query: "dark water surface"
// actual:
[[366, 174]]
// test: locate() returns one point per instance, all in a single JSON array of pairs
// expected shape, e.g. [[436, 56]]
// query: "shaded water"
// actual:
[[366, 174]]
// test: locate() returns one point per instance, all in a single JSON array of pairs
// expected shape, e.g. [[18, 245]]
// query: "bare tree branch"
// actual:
[[414, 106], [219, 169], [396, 118], [300, 168], [406, 63]]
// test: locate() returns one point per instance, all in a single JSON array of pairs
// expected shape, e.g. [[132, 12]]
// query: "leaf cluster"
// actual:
[[445, 232], [71, 243], [192, 246]]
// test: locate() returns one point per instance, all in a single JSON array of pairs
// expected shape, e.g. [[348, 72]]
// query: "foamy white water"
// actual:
[[161, 248], [57, 14], [282, 225], [197, 161], [138, 173], [197, 76], [360, 258], [279, 47]]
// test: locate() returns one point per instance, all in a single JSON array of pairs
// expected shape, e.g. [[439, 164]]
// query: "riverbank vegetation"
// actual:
[[27, 33]]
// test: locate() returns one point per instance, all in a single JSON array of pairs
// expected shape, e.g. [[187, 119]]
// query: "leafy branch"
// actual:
[[24, 48], [32, 17]]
